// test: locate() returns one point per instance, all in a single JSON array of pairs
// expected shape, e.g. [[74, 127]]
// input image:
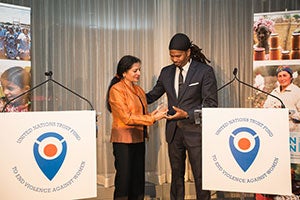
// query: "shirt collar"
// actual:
[[186, 66], [288, 88]]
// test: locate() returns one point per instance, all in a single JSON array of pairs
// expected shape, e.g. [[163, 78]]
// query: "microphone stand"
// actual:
[[218, 89], [234, 73], [198, 112], [244, 83], [49, 74]]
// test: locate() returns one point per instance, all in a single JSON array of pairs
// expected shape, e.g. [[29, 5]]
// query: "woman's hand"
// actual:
[[159, 113]]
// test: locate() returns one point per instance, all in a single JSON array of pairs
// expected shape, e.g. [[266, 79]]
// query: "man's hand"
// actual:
[[180, 114]]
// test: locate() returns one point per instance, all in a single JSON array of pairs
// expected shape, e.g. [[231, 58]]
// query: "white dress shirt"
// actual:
[[184, 73]]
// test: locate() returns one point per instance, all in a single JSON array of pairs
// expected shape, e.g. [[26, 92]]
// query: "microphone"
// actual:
[[198, 112], [49, 79], [223, 86], [48, 73], [235, 71], [251, 86]]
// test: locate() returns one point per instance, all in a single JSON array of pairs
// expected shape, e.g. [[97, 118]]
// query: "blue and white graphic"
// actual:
[[44, 157], [49, 151], [244, 144], [250, 150]]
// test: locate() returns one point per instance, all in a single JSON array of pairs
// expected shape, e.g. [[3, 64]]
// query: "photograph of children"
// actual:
[[15, 82]]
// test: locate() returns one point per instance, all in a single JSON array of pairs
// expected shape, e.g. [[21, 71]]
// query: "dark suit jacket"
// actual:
[[200, 88]]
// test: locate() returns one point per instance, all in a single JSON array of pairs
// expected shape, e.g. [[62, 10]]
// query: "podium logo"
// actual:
[[244, 145], [49, 151]]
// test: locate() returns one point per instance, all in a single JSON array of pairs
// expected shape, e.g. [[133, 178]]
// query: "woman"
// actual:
[[289, 93], [15, 81], [127, 103]]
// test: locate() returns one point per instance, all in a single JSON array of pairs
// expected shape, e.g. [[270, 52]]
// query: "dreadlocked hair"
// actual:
[[197, 55]]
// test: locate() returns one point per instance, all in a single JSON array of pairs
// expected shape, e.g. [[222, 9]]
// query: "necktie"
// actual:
[[180, 80]]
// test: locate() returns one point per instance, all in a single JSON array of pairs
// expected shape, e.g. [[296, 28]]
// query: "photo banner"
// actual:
[[246, 150], [276, 44], [15, 54], [48, 155]]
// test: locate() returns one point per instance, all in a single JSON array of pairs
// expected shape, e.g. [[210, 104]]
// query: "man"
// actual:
[[196, 87]]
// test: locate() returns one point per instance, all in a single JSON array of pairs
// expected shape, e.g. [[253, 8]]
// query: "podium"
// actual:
[[48, 155], [246, 150]]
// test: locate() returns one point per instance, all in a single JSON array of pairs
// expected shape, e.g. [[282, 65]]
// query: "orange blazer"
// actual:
[[127, 112]]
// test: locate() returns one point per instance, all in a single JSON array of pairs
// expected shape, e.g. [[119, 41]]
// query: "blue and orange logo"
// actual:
[[244, 144], [50, 151]]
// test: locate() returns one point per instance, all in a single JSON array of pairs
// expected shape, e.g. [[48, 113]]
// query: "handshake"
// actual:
[[161, 112]]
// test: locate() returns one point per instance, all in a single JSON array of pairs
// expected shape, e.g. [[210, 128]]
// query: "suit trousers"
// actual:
[[177, 155], [130, 171]]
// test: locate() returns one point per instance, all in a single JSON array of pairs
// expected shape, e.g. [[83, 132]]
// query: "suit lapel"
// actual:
[[172, 80]]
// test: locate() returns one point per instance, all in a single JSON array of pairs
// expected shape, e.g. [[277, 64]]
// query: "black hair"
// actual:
[[197, 55], [124, 65], [20, 77]]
